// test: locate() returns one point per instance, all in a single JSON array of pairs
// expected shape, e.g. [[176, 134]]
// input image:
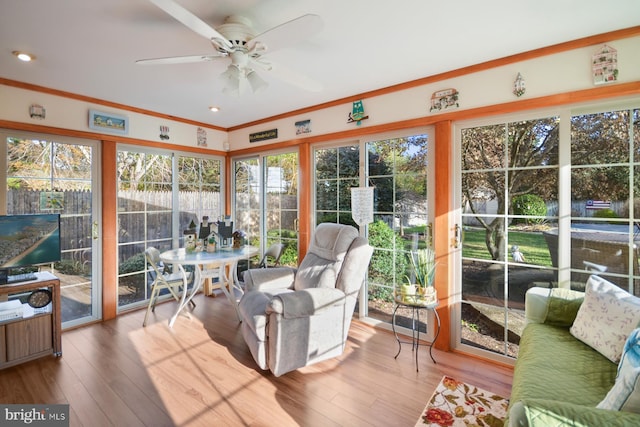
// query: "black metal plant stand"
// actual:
[[415, 327]]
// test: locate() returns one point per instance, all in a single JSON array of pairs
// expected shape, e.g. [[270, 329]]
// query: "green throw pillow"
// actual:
[[563, 307]]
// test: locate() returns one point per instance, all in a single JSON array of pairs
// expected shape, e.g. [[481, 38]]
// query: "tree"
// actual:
[[602, 138], [39, 165], [502, 161]]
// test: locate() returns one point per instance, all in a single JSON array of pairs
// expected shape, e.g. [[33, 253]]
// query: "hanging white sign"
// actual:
[[362, 205]]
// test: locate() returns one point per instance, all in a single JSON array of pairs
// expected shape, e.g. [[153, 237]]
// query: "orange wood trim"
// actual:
[[109, 230], [524, 56], [484, 359], [56, 92], [585, 95], [29, 127], [442, 229], [229, 177], [304, 199]]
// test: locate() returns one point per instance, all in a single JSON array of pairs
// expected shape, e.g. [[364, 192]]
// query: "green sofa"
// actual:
[[558, 380]]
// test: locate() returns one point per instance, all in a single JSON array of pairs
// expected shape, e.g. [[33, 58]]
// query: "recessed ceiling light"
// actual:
[[214, 109], [23, 56]]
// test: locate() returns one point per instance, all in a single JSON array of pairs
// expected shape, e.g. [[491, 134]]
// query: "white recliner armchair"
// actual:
[[296, 317]]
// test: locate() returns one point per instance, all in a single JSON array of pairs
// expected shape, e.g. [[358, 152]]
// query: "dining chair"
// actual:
[[274, 251], [162, 279]]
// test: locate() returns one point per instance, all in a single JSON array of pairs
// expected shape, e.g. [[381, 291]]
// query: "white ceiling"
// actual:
[[89, 47]]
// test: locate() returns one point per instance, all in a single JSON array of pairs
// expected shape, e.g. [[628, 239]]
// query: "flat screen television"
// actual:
[[28, 240]]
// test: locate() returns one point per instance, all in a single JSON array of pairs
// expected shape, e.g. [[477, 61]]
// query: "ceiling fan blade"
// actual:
[[289, 33], [178, 59], [290, 76], [192, 22]]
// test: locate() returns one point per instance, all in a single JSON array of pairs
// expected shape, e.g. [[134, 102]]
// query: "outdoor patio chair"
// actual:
[[172, 281]]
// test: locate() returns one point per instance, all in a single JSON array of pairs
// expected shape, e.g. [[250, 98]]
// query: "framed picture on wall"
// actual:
[[108, 122]]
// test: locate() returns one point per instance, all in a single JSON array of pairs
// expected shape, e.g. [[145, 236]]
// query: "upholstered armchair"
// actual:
[[296, 317]]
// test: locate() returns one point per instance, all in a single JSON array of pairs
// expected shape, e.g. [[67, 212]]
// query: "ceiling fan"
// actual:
[[236, 40]]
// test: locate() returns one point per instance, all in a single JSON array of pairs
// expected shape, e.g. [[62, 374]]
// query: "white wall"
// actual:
[[548, 75], [68, 113], [558, 73]]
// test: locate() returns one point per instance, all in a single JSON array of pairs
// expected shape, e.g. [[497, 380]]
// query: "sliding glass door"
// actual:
[[398, 167], [159, 193], [50, 174], [266, 201]]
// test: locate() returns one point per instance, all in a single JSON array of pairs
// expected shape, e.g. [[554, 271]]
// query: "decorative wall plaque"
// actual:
[[604, 65], [444, 99]]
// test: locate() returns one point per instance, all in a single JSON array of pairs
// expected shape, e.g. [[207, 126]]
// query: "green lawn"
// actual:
[[532, 245]]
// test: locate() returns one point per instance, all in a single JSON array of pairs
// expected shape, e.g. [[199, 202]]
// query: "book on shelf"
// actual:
[[10, 310]]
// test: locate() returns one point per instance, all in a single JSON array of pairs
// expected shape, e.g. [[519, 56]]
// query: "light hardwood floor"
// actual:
[[200, 373]]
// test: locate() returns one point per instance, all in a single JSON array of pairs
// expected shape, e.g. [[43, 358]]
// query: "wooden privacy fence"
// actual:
[[147, 215]]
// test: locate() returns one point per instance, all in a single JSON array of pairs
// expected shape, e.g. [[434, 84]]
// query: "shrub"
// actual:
[[133, 264], [529, 205], [388, 260], [605, 213]]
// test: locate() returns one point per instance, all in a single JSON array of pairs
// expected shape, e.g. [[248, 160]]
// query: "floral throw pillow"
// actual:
[[625, 393], [606, 317]]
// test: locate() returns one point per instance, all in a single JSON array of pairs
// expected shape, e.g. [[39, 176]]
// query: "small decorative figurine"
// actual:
[[164, 132], [518, 86], [37, 111]]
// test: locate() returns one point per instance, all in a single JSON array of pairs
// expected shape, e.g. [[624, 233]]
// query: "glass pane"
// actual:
[[377, 165], [599, 192], [483, 148], [159, 226], [326, 195], [326, 164], [475, 236], [382, 194], [479, 328], [528, 247], [483, 191], [349, 161], [344, 188], [532, 143], [604, 248], [600, 138], [28, 159]]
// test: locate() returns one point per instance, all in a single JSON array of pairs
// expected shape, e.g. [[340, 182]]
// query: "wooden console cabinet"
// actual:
[[28, 338]]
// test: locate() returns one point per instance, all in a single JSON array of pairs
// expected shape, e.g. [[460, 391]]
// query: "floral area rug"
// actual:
[[455, 403]]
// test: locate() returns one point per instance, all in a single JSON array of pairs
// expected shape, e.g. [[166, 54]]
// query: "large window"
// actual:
[[49, 174], [336, 171], [509, 176], [397, 167], [155, 205], [266, 202], [543, 202], [605, 191]]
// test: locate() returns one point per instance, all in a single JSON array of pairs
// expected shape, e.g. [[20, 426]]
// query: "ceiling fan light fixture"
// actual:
[[257, 83], [231, 73], [232, 87]]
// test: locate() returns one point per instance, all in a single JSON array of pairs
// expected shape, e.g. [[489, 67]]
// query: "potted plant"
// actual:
[[420, 289]]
